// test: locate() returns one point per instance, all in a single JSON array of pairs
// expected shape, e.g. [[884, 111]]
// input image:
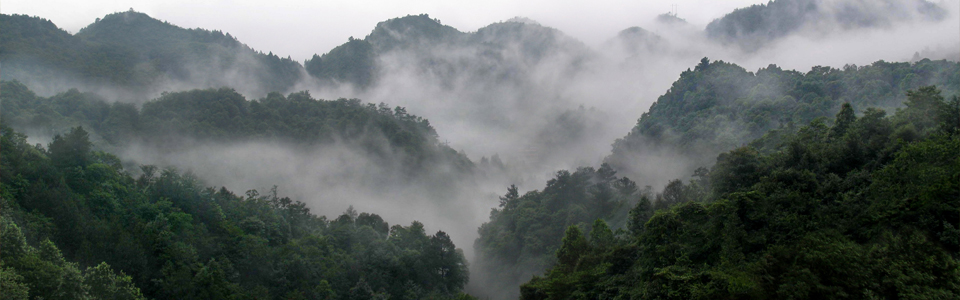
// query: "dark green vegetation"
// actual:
[[868, 208], [718, 106], [713, 109], [865, 206], [163, 235], [523, 233], [130, 50], [753, 27], [223, 115], [353, 62]]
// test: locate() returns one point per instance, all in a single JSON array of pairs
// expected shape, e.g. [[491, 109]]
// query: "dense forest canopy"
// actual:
[[714, 108], [75, 224], [719, 106], [523, 233], [222, 115], [865, 207], [837, 182]]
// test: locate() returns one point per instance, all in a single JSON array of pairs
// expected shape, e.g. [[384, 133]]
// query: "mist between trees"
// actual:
[[509, 106]]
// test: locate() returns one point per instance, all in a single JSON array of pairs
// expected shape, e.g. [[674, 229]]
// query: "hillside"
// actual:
[[172, 122], [719, 106], [815, 210], [32, 48], [753, 27], [134, 53], [144, 160], [865, 208], [75, 224], [715, 108], [492, 53]]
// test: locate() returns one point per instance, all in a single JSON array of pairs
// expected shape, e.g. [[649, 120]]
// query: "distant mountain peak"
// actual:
[[523, 20], [635, 31], [137, 52], [754, 26], [128, 27], [130, 17], [409, 30]]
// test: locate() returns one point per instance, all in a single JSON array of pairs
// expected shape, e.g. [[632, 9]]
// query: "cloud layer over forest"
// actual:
[[530, 95]]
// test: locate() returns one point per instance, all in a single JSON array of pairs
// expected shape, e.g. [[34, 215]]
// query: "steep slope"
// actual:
[[505, 76], [73, 218], [353, 62], [710, 110], [718, 106], [411, 32], [398, 141], [193, 55], [844, 210], [36, 50]]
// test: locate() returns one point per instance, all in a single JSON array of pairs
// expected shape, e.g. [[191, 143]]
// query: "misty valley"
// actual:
[[777, 152]]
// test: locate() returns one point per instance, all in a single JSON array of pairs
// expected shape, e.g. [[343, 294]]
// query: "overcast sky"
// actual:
[[300, 28]]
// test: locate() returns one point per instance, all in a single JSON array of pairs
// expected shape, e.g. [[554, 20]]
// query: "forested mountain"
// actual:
[[171, 122], [132, 52], [523, 233], [411, 32], [827, 183], [714, 108], [813, 211], [509, 79], [719, 106], [31, 47], [499, 52], [75, 225], [353, 62], [753, 27], [865, 207], [511, 67]]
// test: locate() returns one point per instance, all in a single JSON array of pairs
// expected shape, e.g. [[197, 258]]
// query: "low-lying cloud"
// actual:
[[559, 109]]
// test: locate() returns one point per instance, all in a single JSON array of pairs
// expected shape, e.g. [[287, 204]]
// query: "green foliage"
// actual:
[[854, 210], [357, 61], [12, 285], [639, 215], [573, 246], [353, 62], [753, 26], [410, 31], [525, 233], [71, 150], [75, 225], [105, 284], [224, 115], [719, 106], [736, 170]]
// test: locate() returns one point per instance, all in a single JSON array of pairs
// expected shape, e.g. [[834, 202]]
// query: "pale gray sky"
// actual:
[[300, 28]]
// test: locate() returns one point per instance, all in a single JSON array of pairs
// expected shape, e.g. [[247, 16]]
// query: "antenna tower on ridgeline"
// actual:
[[674, 9]]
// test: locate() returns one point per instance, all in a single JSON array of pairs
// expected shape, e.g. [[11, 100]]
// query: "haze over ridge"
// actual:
[[539, 99]]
